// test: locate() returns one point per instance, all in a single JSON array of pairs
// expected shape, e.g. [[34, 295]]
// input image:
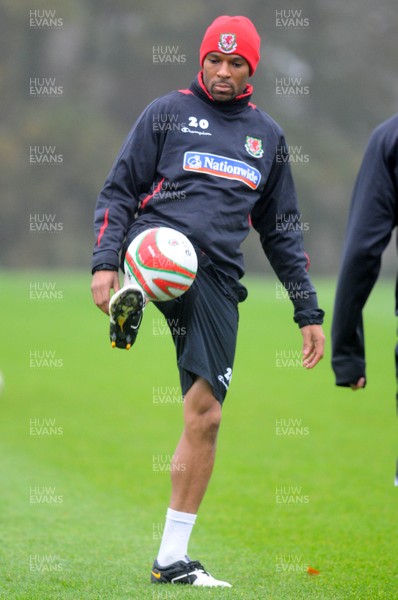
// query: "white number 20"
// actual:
[[203, 123]]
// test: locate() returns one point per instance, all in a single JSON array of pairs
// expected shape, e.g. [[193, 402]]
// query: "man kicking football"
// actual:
[[231, 161]]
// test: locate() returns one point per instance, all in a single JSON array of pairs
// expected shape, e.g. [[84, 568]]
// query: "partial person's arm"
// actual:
[[132, 175], [277, 219], [371, 220]]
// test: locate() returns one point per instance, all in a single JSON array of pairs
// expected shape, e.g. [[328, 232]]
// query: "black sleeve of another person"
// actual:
[[372, 217]]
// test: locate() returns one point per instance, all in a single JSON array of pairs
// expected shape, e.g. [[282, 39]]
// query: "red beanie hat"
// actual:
[[232, 35]]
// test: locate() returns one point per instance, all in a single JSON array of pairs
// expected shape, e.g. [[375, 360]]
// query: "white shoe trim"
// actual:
[[203, 579]]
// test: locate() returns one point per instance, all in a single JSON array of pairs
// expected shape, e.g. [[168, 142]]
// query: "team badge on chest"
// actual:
[[254, 146], [227, 43]]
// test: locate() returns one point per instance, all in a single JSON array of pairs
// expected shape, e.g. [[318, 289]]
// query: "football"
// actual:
[[162, 261]]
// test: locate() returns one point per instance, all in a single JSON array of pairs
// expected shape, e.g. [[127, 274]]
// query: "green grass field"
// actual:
[[304, 472]]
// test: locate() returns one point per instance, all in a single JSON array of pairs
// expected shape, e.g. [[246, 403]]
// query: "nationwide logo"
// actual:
[[254, 146], [227, 43], [222, 166]]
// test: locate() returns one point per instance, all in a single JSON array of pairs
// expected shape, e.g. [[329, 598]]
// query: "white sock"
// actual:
[[177, 530]]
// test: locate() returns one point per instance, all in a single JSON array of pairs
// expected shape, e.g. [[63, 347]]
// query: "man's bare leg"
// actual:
[[194, 456], [191, 469]]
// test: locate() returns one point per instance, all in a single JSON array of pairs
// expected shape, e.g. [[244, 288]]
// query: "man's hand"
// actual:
[[358, 385], [102, 284], [313, 345]]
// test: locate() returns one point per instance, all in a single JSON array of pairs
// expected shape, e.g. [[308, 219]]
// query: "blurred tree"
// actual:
[[101, 54]]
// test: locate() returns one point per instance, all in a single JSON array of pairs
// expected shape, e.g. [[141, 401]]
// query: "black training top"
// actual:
[[208, 169], [373, 216]]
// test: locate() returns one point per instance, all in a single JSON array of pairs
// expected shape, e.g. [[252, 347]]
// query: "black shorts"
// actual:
[[204, 326]]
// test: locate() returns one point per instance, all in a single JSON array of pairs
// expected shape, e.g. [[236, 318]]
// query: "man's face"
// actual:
[[225, 75]]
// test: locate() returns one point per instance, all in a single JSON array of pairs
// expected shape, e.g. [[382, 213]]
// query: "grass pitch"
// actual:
[[303, 477]]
